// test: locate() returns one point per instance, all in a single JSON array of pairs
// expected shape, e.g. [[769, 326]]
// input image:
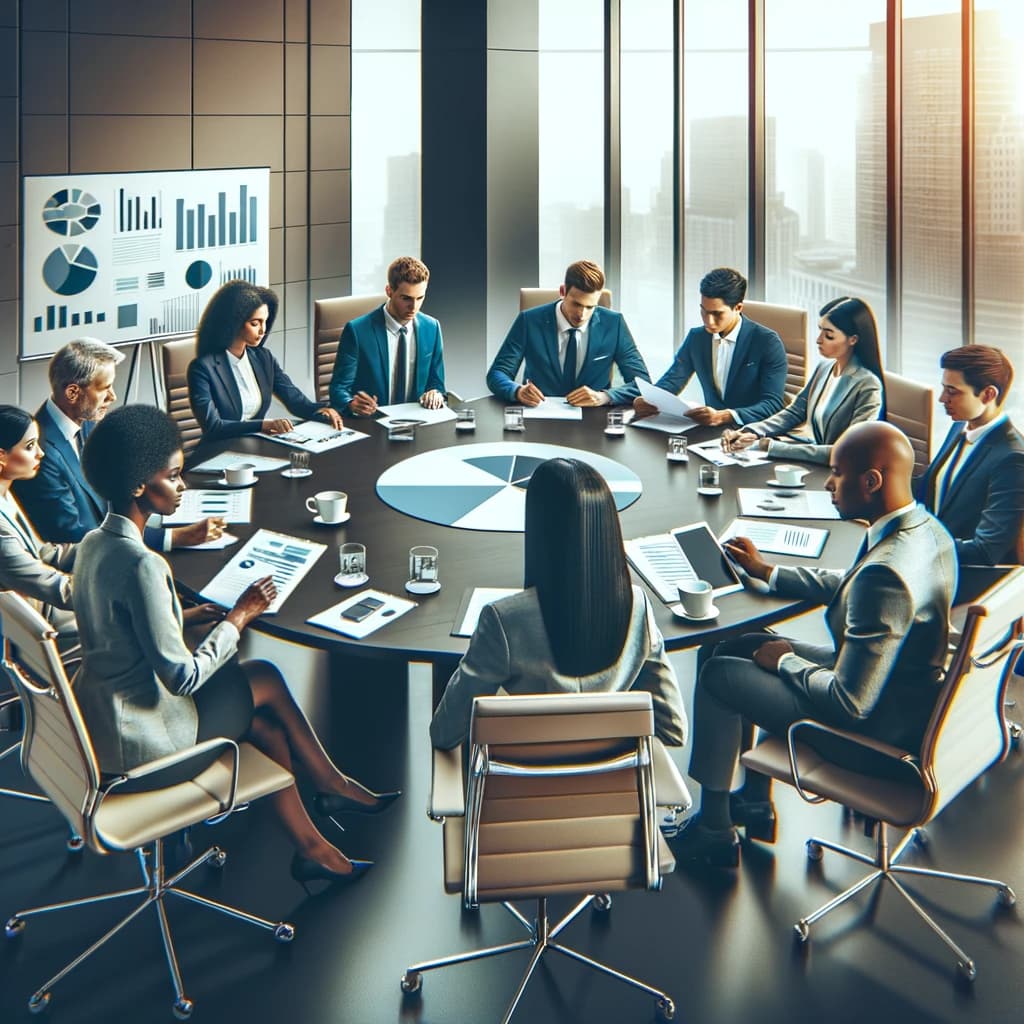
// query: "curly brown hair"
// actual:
[[228, 309]]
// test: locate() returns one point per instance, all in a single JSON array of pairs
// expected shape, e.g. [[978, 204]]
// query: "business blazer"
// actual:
[[137, 675], [362, 362], [509, 650], [984, 506], [36, 570], [533, 338], [856, 397], [216, 401], [757, 373]]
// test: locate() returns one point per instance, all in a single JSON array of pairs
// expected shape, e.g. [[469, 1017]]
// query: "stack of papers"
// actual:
[[316, 436], [672, 410], [712, 451], [764, 502], [552, 409], [414, 411]]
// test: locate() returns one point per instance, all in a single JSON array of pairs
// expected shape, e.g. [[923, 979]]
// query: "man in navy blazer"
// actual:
[[975, 485], [572, 331], [393, 354], [741, 365], [59, 500]]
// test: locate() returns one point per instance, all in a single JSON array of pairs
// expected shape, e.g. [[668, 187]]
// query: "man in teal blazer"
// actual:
[[393, 354], [593, 339]]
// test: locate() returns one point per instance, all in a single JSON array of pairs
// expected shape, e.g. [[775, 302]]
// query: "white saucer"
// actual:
[[792, 487], [618, 432], [223, 482], [296, 473], [677, 611], [709, 492], [428, 587], [344, 519], [351, 579]]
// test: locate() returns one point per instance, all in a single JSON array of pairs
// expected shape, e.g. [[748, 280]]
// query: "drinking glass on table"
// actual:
[[298, 465]]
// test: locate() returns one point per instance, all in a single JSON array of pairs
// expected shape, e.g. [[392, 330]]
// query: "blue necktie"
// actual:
[[951, 463], [569, 366], [400, 363]]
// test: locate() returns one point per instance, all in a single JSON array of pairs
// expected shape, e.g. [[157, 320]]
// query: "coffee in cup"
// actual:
[[790, 476], [328, 505], [696, 597], [240, 473]]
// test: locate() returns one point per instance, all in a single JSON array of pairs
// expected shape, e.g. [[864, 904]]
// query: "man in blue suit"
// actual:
[[975, 485], [569, 347], [740, 364], [59, 500], [393, 354]]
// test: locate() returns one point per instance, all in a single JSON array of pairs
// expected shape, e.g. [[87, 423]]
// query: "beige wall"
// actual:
[[135, 85]]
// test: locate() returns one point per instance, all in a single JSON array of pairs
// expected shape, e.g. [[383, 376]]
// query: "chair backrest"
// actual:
[[968, 732], [530, 297], [790, 324], [909, 406], [176, 355], [55, 749], [560, 796], [329, 319]]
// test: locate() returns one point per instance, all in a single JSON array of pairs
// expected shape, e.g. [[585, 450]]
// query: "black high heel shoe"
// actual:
[[305, 870], [329, 804]]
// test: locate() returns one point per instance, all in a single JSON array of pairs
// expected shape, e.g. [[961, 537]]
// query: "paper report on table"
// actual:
[[260, 463], [316, 436], [414, 411], [671, 417], [552, 408], [196, 504], [265, 553]]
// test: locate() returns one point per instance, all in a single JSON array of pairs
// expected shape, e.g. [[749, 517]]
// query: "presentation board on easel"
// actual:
[[135, 256]]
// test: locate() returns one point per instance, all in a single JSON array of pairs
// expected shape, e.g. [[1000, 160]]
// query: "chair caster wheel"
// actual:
[[666, 1009], [218, 857], [802, 931], [967, 969], [182, 1008], [284, 932], [815, 851], [39, 1002], [922, 838], [412, 982], [1006, 896], [15, 926], [602, 902], [75, 843]]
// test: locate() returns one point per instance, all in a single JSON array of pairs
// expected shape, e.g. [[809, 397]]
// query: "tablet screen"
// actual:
[[705, 555]]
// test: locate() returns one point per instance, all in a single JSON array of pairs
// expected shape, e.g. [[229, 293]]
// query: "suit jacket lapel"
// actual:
[[739, 355], [974, 458], [839, 393], [549, 340], [228, 383], [62, 448], [258, 359], [933, 470], [380, 337]]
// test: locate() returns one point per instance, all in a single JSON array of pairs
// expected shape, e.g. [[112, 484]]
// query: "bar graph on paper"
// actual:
[[209, 225]]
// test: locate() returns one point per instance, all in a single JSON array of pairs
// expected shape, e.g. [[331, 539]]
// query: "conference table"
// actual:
[[480, 558]]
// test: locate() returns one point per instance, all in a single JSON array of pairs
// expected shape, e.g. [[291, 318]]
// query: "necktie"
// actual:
[[569, 366], [399, 392], [951, 464], [720, 351], [79, 443]]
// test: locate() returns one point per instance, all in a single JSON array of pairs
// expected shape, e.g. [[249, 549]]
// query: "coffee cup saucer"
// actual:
[[709, 492], [779, 483], [351, 579], [223, 482], [680, 613], [319, 520]]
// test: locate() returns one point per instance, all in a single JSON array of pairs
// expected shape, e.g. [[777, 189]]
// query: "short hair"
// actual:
[[981, 365], [228, 309], [574, 551], [407, 270], [724, 283], [79, 361], [127, 448], [854, 316], [584, 276], [14, 424]]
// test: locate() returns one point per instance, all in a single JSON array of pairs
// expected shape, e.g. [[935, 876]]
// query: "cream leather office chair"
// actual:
[[57, 754], [329, 319], [562, 799], [176, 355], [966, 735], [530, 297], [909, 406], [790, 324]]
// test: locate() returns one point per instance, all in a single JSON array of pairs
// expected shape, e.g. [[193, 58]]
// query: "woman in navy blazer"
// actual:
[[229, 347]]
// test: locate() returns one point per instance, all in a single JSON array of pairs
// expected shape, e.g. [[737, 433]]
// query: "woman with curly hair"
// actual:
[[143, 693], [233, 376]]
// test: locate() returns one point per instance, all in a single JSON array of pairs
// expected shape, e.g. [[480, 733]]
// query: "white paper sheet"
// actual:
[[265, 553], [661, 562], [331, 618], [196, 504], [663, 422], [552, 408], [316, 436], [225, 540], [779, 538], [261, 463], [481, 596], [781, 504], [663, 400], [712, 452], [414, 411]]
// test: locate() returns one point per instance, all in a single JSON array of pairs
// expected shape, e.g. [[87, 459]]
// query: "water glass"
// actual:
[[616, 426], [423, 570], [465, 419], [352, 563], [677, 449], [514, 419], [709, 478], [298, 465], [401, 430]]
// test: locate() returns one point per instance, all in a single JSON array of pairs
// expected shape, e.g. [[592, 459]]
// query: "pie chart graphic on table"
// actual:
[[70, 269], [483, 486]]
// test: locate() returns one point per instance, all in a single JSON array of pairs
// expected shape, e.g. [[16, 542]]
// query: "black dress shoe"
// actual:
[[305, 870], [329, 804], [756, 816], [716, 848]]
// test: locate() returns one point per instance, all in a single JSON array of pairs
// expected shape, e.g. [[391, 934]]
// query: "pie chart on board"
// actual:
[[70, 269], [71, 211], [483, 486]]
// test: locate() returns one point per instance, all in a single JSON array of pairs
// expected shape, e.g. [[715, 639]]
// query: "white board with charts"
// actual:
[[127, 257]]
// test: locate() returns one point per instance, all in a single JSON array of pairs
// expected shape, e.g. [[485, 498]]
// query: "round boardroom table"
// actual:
[[480, 558]]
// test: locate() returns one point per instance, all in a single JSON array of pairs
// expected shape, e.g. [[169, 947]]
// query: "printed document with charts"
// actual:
[[316, 436]]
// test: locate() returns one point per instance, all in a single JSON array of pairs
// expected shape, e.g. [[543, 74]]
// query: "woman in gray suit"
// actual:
[[579, 626], [143, 693], [846, 387]]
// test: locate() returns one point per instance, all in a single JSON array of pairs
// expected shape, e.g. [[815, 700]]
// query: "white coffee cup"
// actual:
[[329, 505], [240, 473], [696, 597], [791, 476]]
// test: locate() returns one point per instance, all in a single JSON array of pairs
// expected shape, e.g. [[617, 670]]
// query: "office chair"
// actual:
[[530, 297], [57, 754], [562, 799], [175, 356], [966, 735], [329, 319], [790, 324], [909, 406]]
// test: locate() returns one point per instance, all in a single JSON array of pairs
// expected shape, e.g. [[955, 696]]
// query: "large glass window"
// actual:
[[385, 139], [571, 135], [648, 283]]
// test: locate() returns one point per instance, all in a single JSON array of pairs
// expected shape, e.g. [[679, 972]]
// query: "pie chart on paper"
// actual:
[[483, 486]]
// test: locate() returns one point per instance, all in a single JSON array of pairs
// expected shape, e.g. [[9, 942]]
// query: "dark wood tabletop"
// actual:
[[469, 558]]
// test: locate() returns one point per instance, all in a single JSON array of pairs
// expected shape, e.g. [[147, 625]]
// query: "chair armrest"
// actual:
[[669, 788], [447, 787]]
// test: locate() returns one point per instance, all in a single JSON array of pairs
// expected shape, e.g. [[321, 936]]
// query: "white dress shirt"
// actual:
[[393, 327], [722, 349], [248, 387]]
